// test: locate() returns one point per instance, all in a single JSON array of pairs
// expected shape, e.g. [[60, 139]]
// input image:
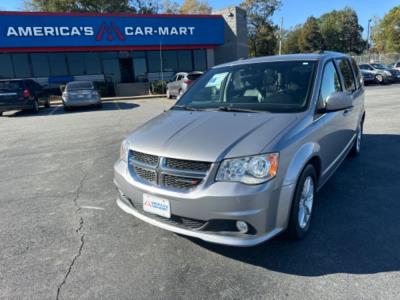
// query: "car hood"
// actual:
[[208, 136]]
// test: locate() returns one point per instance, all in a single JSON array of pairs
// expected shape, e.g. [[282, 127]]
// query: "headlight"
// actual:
[[123, 153], [250, 170]]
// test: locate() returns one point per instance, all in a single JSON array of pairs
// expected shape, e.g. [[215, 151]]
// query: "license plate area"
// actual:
[[156, 205]]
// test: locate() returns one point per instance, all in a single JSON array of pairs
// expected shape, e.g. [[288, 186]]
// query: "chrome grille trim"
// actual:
[[178, 179]]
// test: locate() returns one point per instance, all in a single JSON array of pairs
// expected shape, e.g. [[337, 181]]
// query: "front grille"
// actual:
[[168, 172], [191, 165], [145, 158], [180, 182], [146, 174]]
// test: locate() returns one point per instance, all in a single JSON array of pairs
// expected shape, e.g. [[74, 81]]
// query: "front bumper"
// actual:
[[263, 207]]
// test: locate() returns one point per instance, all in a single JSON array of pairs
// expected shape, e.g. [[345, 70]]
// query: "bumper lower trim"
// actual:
[[205, 236]]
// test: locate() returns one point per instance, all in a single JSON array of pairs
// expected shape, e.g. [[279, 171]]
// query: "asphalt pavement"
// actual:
[[63, 236]]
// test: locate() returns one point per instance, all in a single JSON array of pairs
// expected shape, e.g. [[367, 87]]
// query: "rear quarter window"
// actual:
[[347, 73], [11, 85]]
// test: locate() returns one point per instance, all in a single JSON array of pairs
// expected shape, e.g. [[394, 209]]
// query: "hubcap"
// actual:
[[306, 202]]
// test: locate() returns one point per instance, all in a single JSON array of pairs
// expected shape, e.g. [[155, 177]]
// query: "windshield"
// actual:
[[72, 86], [272, 86], [379, 66]]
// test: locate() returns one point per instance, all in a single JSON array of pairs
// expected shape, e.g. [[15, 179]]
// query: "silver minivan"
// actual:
[[240, 157]]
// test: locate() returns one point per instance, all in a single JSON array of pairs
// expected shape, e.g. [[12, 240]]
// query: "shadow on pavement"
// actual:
[[356, 225], [108, 106]]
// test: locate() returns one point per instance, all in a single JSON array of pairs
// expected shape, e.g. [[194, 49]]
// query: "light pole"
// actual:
[[280, 37], [368, 33]]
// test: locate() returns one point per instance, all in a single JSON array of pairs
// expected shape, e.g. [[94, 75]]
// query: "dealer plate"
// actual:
[[156, 205]]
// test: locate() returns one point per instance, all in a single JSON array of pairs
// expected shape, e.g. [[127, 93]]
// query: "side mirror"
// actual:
[[338, 101]]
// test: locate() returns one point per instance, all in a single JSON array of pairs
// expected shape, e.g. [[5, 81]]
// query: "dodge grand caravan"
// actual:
[[240, 157]]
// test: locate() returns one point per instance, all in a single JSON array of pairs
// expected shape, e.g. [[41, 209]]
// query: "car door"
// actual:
[[353, 88], [331, 127]]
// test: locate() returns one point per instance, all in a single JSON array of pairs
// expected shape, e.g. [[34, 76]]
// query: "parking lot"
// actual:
[[63, 236]]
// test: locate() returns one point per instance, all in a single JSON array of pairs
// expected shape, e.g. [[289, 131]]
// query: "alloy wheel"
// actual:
[[306, 202]]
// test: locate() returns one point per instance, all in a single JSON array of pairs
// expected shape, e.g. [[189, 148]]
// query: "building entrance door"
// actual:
[[126, 67]]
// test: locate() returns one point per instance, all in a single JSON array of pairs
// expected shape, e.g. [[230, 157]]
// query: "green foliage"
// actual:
[[310, 39], [102, 6], [195, 7], [337, 30], [158, 87], [262, 33], [386, 34]]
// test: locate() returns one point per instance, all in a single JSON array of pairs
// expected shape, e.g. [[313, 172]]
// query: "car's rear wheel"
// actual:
[[303, 203], [35, 106], [356, 149]]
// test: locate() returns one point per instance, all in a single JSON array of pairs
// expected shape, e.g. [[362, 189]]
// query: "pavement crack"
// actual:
[[70, 266]]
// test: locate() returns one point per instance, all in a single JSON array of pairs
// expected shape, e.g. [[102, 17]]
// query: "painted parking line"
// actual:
[[54, 110]]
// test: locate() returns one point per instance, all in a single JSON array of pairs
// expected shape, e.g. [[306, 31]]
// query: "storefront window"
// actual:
[[139, 67], [185, 60], [40, 65], [76, 63], [200, 60], [58, 64], [154, 61], [112, 70], [92, 63], [21, 65], [170, 61], [6, 69]]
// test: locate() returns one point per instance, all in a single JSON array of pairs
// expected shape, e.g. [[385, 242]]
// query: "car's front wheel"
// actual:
[[379, 78], [303, 203]]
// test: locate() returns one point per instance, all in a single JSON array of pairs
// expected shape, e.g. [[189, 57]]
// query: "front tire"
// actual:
[[379, 78], [303, 204]]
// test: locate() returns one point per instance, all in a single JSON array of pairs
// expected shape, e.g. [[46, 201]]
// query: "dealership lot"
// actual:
[[62, 235]]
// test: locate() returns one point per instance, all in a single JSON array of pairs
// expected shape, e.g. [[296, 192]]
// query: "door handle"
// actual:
[[346, 111]]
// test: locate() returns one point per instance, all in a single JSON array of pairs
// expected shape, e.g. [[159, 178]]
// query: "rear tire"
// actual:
[[35, 107], [356, 149], [303, 204]]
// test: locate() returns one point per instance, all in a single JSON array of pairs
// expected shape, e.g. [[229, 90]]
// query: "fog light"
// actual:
[[242, 226]]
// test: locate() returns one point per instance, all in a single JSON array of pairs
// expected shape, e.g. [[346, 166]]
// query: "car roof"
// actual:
[[286, 57]]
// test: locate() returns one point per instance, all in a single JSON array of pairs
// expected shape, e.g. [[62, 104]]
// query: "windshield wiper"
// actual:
[[237, 109], [185, 107]]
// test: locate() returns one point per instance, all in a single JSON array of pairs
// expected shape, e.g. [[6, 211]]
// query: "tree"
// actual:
[[342, 32], [386, 33], [261, 31], [170, 7], [195, 7], [291, 41], [102, 6], [310, 37]]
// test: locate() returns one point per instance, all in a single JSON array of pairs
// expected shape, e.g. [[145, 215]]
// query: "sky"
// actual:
[[293, 11]]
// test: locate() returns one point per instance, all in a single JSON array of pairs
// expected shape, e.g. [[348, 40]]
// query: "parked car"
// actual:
[[80, 93], [368, 76], [180, 83], [240, 157], [382, 75], [395, 65], [395, 72], [20, 94]]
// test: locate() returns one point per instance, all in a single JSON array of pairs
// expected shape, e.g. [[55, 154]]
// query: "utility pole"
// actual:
[[161, 65], [281, 37], [368, 33]]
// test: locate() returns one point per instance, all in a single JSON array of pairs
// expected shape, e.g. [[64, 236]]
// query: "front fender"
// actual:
[[299, 161]]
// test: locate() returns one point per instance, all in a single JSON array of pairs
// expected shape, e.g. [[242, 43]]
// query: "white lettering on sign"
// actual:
[[49, 31], [131, 31]]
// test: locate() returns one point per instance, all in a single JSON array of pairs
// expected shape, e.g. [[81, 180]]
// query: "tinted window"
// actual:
[[271, 86], [21, 65], [185, 60], [170, 61], [193, 76], [200, 60], [40, 65], [76, 63], [347, 73], [330, 84], [6, 68], [92, 63], [79, 85], [356, 73], [154, 61], [58, 64], [9, 86]]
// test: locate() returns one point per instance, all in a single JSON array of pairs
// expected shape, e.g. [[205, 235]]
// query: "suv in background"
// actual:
[[17, 94], [240, 157], [180, 83]]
